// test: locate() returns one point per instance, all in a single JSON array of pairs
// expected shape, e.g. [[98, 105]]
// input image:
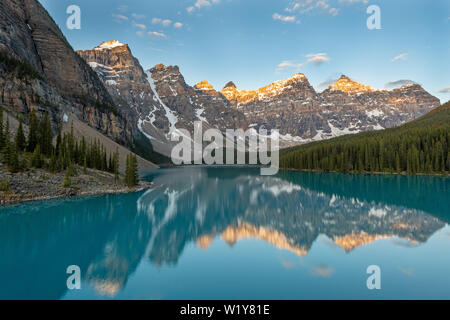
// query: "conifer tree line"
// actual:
[[423, 146], [131, 173], [38, 151]]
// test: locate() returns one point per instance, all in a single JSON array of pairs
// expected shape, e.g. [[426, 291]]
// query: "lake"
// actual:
[[229, 233]]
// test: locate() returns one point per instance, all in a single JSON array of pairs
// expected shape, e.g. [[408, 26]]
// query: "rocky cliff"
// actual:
[[40, 71], [159, 101]]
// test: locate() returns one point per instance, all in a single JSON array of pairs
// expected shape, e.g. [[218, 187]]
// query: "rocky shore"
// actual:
[[39, 184]]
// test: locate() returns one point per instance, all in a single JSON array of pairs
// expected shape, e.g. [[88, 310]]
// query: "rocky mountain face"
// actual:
[[303, 115], [200, 102], [127, 83], [164, 103], [159, 101], [39, 70]]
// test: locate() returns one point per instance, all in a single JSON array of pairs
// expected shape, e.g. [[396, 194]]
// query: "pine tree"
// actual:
[[33, 134], [2, 138], [59, 140], [7, 151], [19, 140], [13, 159], [53, 166], [67, 180], [85, 165], [134, 170], [46, 135], [116, 166], [36, 158], [127, 172]]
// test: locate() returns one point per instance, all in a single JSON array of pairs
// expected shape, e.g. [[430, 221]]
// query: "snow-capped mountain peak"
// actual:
[[108, 45], [347, 85]]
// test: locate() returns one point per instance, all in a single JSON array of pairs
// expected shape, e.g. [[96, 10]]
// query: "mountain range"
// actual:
[[166, 102], [107, 88]]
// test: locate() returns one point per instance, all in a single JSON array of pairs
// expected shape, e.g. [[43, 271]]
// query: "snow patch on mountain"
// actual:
[[374, 113], [108, 45], [170, 115]]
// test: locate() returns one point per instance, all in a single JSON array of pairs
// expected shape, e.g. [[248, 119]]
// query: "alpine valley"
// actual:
[[105, 95], [86, 138]]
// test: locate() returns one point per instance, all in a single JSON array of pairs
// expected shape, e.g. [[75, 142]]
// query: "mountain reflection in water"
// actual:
[[110, 236]]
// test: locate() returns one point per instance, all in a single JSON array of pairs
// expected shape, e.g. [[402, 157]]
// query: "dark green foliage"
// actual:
[[143, 147], [21, 69], [4, 186], [33, 134], [421, 146], [2, 138], [70, 152], [36, 158], [115, 166], [53, 163], [67, 180], [131, 174], [19, 140], [45, 135], [9, 150], [14, 164]]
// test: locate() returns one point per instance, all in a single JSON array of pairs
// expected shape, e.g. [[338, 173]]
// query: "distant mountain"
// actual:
[[303, 115], [420, 146]]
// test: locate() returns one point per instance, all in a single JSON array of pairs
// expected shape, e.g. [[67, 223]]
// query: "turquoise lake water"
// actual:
[[229, 233]]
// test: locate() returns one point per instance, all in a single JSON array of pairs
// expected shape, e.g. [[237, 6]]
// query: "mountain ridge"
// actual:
[[291, 105]]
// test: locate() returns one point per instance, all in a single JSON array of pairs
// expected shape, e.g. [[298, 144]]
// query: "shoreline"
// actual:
[[41, 185], [372, 173], [10, 202]]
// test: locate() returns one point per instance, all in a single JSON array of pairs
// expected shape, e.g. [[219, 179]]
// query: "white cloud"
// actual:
[[322, 4], [163, 22], [445, 90], [177, 24], [289, 64], [398, 84], [157, 34], [334, 12], [353, 1], [401, 56], [122, 8], [305, 6], [137, 16], [202, 3], [120, 16], [277, 16], [317, 58], [166, 23], [139, 25]]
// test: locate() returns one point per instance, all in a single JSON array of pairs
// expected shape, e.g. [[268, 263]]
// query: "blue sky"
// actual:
[[256, 42]]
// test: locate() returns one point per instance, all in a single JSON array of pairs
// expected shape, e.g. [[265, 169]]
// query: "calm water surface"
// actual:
[[228, 233]]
